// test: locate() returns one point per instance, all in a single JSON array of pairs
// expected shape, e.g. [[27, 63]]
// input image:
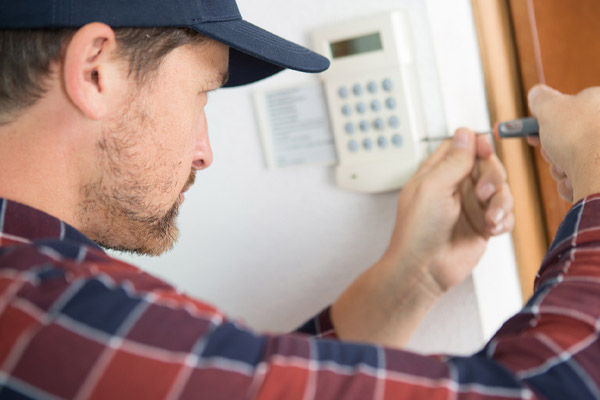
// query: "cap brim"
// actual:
[[256, 54]]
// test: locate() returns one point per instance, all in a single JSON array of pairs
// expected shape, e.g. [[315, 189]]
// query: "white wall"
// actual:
[[275, 247]]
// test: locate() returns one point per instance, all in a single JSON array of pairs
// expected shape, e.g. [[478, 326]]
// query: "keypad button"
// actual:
[[361, 108], [347, 110], [372, 87], [364, 126], [357, 90], [343, 92], [349, 128], [382, 142], [397, 140], [379, 124], [376, 105], [387, 85], [390, 103], [367, 144], [353, 146], [393, 121]]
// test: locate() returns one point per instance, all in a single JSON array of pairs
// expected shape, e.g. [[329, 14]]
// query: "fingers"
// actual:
[[539, 97], [484, 147], [457, 162], [434, 158], [534, 141], [565, 189], [492, 177], [499, 216], [487, 200], [557, 172]]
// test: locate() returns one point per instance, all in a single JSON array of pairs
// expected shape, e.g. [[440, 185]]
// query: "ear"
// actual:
[[89, 68]]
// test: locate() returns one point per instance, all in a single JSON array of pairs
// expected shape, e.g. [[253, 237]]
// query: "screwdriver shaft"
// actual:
[[517, 128]]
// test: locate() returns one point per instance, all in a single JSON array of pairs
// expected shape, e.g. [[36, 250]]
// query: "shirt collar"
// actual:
[[23, 224]]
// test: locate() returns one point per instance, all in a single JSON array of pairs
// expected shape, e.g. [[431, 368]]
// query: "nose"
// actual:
[[203, 153]]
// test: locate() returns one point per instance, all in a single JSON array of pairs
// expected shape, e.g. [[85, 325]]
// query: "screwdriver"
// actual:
[[516, 128]]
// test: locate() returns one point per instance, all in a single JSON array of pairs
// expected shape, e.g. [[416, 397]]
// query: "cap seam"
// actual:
[[220, 19], [54, 12]]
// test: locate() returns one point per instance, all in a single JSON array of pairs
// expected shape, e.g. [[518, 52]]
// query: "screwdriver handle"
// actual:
[[517, 128]]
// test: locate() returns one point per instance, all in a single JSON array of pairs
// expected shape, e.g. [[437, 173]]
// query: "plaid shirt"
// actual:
[[76, 323]]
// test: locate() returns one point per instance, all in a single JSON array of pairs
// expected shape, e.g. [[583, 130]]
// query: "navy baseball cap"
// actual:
[[254, 53]]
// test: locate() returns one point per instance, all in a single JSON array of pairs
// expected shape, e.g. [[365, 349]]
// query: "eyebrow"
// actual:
[[224, 78]]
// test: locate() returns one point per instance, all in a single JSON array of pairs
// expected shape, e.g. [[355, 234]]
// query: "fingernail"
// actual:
[[498, 216], [461, 139], [497, 229], [568, 184], [485, 191]]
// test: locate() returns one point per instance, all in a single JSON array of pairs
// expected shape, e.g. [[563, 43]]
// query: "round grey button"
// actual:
[[382, 142], [397, 140], [347, 110], [367, 144], [379, 124], [353, 146], [349, 128], [361, 108], [357, 90], [390, 103], [394, 121], [376, 105], [343, 92], [387, 84], [372, 87], [364, 126]]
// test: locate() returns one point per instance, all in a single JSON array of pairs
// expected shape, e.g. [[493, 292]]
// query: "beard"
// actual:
[[120, 209]]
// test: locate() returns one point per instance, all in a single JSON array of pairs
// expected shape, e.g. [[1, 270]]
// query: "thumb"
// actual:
[[459, 160], [539, 96]]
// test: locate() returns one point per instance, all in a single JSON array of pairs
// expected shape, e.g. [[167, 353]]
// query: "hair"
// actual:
[[27, 57]]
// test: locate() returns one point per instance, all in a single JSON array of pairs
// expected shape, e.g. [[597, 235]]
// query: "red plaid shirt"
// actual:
[[76, 323]]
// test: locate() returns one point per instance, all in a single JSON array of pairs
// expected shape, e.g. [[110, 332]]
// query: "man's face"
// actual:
[[149, 151]]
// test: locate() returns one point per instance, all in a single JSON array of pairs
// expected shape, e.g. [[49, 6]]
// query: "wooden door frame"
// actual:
[[505, 99]]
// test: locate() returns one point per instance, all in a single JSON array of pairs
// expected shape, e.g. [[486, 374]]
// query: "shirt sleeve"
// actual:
[[319, 326], [112, 332]]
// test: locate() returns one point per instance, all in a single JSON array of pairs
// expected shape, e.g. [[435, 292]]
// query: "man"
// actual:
[[102, 129]]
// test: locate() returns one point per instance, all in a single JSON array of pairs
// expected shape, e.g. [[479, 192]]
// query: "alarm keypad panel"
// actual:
[[370, 115], [373, 101]]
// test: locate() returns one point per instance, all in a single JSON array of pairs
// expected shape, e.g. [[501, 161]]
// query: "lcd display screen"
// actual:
[[362, 44]]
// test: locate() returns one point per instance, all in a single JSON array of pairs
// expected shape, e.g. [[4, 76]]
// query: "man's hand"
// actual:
[[563, 183], [570, 138], [446, 213]]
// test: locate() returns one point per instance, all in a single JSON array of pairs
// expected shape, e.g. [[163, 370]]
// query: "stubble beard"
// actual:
[[123, 217]]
